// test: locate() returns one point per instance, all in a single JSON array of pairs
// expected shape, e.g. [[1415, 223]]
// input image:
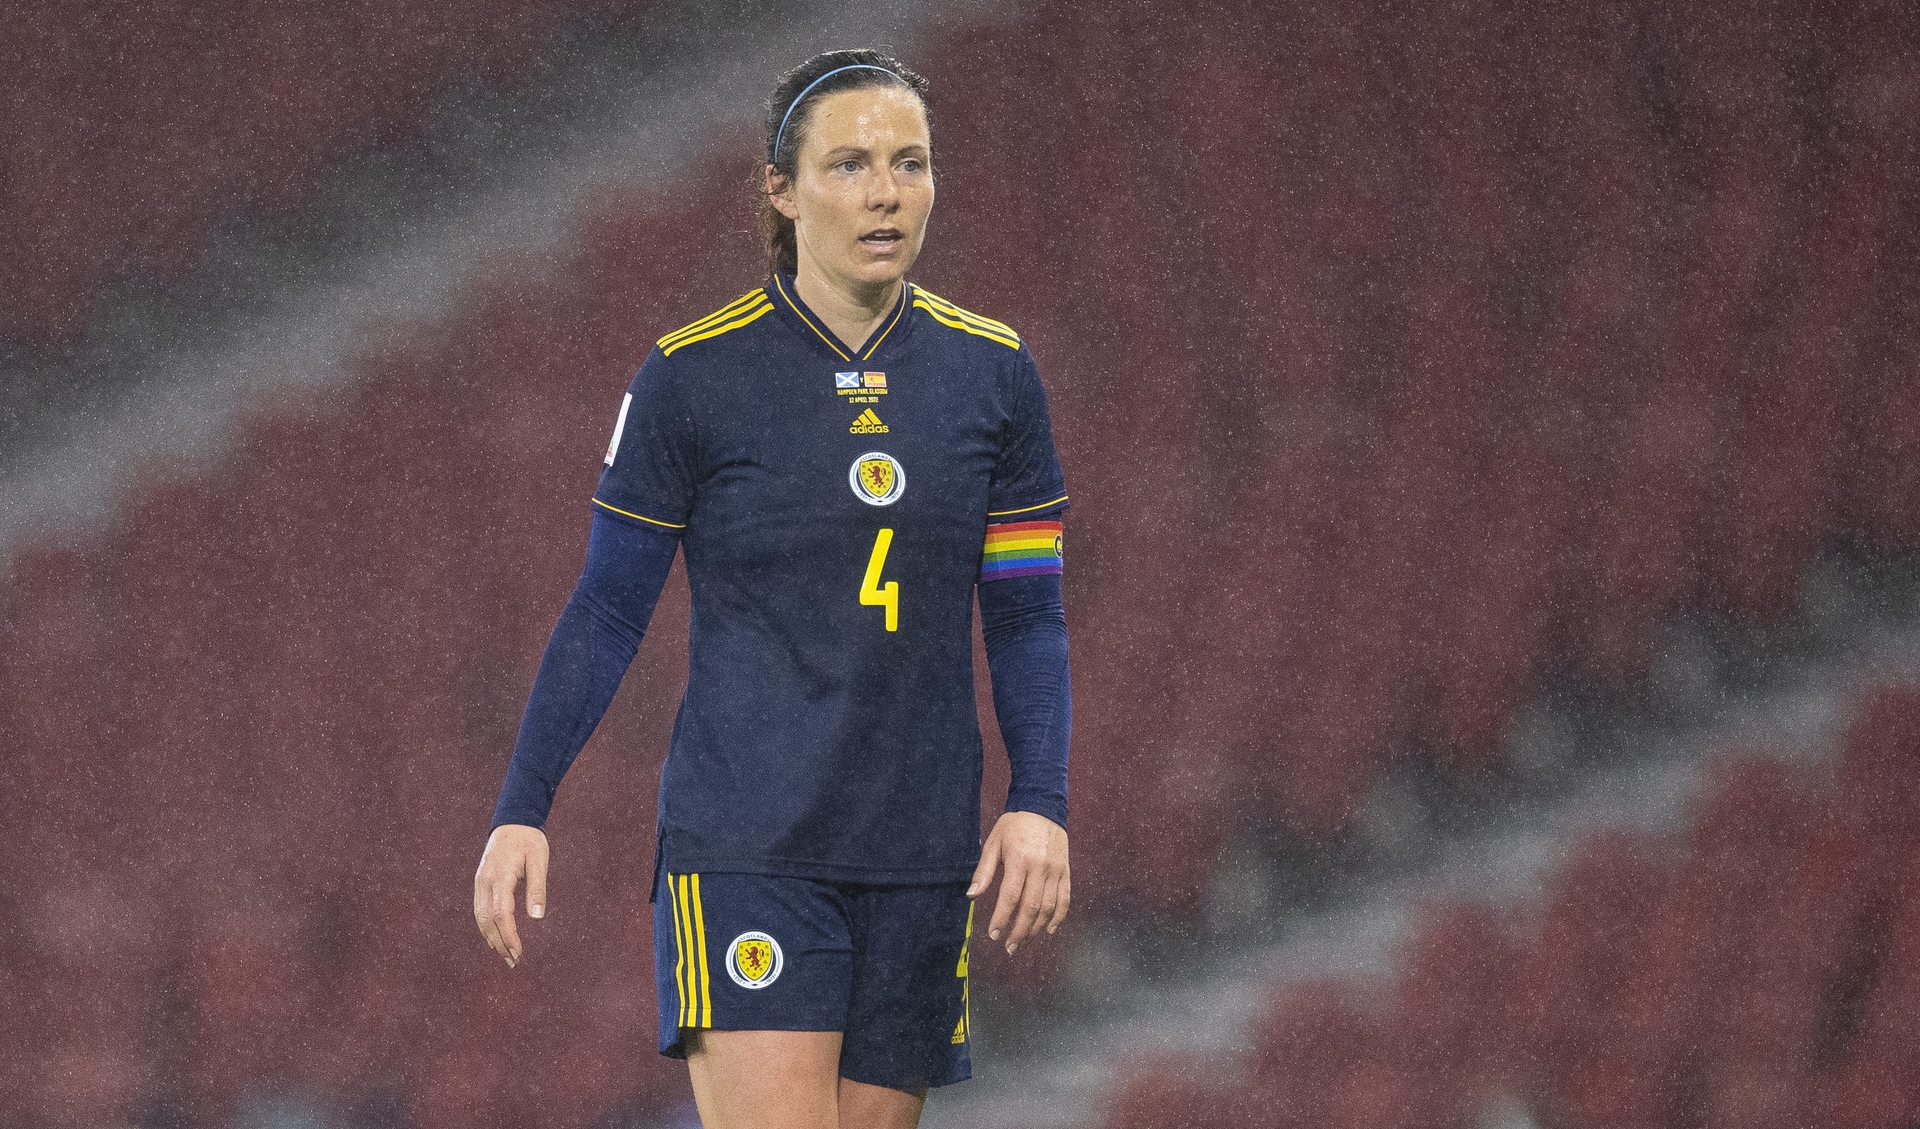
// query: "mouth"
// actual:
[[883, 239]]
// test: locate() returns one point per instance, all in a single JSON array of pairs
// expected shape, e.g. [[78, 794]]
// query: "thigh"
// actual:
[[765, 1079], [749, 952], [787, 1080], [879, 1107], [908, 1025]]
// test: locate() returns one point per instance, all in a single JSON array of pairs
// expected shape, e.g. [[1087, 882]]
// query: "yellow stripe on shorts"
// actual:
[[705, 1018], [679, 955], [964, 1028], [689, 995]]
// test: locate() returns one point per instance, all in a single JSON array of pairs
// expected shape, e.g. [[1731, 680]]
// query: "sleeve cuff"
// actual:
[[519, 809]]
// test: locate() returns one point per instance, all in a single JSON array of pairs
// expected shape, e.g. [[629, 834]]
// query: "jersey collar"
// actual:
[[786, 299]]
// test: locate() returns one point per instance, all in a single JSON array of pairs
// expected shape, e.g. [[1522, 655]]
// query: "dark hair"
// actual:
[[782, 247]]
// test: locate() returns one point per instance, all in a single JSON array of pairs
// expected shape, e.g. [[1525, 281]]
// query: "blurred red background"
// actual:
[[1401, 356]]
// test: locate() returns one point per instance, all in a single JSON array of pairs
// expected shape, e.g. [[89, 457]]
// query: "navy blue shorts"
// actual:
[[885, 965]]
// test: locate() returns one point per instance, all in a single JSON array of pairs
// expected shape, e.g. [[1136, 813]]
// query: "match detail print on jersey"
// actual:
[[1021, 548], [754, 960], [860, 387], [877, 478]]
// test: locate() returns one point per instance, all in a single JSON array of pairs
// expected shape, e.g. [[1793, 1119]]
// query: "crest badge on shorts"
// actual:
[[754, 960], [877, 478]]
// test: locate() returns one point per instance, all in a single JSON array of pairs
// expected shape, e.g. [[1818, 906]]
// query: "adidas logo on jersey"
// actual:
[[868, 424]]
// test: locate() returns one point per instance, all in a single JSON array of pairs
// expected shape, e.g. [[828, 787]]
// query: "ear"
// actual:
[[778, 192]]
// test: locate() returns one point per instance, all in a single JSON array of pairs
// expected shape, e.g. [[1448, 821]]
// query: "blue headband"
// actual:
[[773, 158]]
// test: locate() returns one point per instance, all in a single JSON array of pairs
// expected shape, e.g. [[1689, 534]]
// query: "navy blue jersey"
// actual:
[[833, 504]]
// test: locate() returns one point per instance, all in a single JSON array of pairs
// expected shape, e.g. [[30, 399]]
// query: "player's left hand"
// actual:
[[1038, 883]]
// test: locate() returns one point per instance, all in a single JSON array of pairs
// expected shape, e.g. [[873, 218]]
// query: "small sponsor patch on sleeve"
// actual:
[[619, 425], [1021, 548]]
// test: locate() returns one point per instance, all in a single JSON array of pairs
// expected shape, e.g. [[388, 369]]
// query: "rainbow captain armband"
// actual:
[[1021, 548]]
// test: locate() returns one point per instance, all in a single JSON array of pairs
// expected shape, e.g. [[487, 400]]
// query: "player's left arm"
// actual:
[[1025, 625]]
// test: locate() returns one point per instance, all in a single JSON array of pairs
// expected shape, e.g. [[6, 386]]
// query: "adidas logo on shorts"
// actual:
[[868, 424]]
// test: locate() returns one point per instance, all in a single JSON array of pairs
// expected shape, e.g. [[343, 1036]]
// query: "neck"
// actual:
[[852, 310]]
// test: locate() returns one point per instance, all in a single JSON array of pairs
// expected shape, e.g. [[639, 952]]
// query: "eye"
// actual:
[[911, 164], [849, 165]]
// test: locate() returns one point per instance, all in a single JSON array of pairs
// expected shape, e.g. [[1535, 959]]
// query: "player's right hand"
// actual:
[[514, 851]]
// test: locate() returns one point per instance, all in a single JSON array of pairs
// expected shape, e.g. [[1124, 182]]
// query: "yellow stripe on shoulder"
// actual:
[[968, 315], [962, 312], [988, 327], [735, 306], [952, 322], [747, 316], [731, 310]]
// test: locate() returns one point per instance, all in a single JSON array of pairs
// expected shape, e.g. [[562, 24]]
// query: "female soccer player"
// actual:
[[844, 458]]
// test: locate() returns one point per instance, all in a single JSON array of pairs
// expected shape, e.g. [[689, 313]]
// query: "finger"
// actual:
[[989, 862], [484, 880], [1065, 900], [483, 917], [1028, 915], [1009, 900], [503, 919], [537, 885], [1048, 901], [480, 905]]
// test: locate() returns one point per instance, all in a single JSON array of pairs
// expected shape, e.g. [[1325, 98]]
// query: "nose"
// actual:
[[883, 192]]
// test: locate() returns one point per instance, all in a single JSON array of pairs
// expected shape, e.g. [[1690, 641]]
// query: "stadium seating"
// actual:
[[135, 128], [1753, 972], [1397, 359]]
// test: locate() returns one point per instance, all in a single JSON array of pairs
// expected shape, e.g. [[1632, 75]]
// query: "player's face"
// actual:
[[863, 186]]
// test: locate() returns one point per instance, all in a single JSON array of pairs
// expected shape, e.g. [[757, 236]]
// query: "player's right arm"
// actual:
[[639, 509], [592, 644]]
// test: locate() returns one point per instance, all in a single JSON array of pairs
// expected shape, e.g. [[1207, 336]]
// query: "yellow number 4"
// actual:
[[871, 590]]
